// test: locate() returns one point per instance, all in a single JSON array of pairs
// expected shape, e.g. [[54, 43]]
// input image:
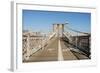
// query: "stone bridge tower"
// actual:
[[59, 29]]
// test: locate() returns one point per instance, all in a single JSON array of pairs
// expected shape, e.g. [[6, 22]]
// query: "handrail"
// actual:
[[67, 35]]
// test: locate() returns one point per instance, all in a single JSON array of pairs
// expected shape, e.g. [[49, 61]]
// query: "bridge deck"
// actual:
[[70, 54], [67, 54], [50, 52]]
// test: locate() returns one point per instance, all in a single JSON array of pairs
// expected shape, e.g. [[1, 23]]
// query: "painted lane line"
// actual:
[[60, 54]]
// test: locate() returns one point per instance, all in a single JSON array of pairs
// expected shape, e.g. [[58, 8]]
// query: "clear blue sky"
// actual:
[[43, 20]]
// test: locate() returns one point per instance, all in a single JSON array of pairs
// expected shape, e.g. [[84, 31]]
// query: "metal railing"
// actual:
[[77, 39]]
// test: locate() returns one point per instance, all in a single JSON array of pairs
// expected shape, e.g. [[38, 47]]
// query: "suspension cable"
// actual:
[[76, 30]]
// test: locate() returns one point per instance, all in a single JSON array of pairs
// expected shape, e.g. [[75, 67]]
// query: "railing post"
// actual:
[[28, 47], [76, 39]]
